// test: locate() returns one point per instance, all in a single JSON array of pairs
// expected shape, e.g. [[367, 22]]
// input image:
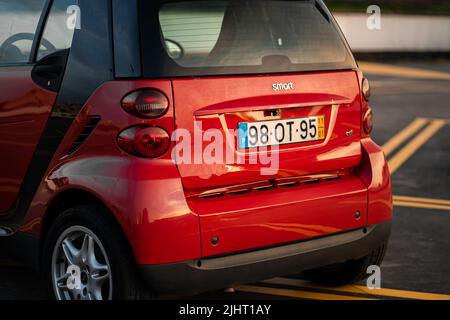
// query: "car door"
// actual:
[[34, 38]]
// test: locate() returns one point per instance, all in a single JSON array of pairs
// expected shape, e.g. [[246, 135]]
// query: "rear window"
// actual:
[[239, 37]]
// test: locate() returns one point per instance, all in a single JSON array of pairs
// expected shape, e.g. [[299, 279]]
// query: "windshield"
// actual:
[[238, 37]]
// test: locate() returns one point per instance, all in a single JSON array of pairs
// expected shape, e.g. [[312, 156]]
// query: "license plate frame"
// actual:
[[269, 133]]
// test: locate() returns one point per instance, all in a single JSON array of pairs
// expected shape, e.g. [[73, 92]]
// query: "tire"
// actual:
[[110, 273], [348, 272]]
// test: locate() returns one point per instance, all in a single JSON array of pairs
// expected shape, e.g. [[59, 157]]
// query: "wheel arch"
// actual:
[[71, 198], [65, 200]]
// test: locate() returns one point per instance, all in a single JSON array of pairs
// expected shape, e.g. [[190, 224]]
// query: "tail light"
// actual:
[[146, 103], [366, 89], [144, 141], [368, 121]]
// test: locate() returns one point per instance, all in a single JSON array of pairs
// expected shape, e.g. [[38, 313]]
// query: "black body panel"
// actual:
[[127, 54]]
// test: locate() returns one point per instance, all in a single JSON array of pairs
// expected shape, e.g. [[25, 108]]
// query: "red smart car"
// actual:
[[184, 146]]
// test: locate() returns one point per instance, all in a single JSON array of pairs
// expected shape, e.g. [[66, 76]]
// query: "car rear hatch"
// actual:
[[281, 68], [225, 103]]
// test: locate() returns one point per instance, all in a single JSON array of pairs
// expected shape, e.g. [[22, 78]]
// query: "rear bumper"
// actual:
[[195, 276]]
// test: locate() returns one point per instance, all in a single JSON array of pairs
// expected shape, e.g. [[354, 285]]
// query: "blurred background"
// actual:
[[429, 7], [408, 28]]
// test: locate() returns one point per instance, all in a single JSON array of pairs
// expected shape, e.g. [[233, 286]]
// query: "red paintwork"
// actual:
[[24, 110], [150, 197], [222, 103], [265, 218], [145, 195], [374, 172]]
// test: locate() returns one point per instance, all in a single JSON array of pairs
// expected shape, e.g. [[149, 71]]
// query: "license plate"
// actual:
[[281, 132]]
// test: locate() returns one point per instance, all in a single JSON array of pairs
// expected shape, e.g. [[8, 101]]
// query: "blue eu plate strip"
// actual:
[[243, 135]]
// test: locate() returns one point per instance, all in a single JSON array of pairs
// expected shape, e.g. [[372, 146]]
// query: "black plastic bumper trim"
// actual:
[[195, 276]]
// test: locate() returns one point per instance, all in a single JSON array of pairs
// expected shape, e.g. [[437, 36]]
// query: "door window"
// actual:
[[59, 28], [18, 23]]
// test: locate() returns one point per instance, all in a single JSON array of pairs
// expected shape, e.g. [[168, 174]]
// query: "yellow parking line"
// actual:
[[411, 148], [424, 200], [443, 119], [421, 205], [404, 135], [414, 202], [297, 293], [392, 293]]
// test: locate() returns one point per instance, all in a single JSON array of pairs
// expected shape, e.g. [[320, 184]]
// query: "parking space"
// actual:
[[412, 121], [413, 177]]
